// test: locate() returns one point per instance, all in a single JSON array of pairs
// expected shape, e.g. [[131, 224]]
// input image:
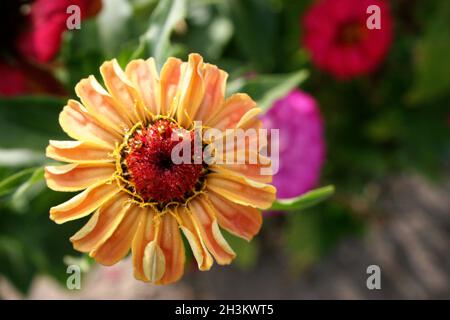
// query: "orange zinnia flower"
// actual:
[[122, 160]]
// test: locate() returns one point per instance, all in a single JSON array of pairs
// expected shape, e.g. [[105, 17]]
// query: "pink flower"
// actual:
[[47, 23], [29, 40], [336, 35], [301, 143]]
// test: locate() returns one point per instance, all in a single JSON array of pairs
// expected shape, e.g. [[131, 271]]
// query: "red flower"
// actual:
[[47, 25], [336, 35], [28, 40]]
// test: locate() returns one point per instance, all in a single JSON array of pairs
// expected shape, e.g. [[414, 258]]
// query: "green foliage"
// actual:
[[432, 67], [256, 22], [162, 22], [312, 233], [246, 252], [14, 181], [29, 121], [266, 89]]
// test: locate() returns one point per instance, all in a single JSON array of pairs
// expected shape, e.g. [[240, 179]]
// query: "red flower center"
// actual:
[[151, 169], [351, 33]]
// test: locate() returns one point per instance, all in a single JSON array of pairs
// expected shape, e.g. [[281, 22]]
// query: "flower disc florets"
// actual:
[[147, 169]]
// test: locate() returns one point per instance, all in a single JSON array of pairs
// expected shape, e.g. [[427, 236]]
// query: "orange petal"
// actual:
[[190, 91], [83, 203], [248, 171], [192, 232], [123, 91], [158, 250], [102, 106], [238, 146], [213, 99], [77, 151], [242, 221], [79, 125], [145, 234], [172, 247], [250, 119], [144, 76], [230, 114], [241, 190], [119, 243], [251, 165], [102, 224], [76, 177], [210, 232], [170, 76]]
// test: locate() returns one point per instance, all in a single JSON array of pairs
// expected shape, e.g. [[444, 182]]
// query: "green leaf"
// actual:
[[32, 244], [256, 25], [162, 22], [29, 121], [113, 25], [15, 158], [433, 66], [15, 264], [266, 89], [29, 189], [31, 101], [14, 181], [304, 201], [210, 29]]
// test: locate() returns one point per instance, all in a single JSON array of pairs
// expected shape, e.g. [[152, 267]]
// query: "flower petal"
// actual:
[[75, 177], [77, 151], [238, 146], [249, 164], [145, 234], [79, 125], [213, 99], [154, 262], [83, 203], [170, 76], [119, 243], [205, 218], [242, 221], [102, 224], [250, 120], [145, 78], [192, 232], [102, 106], [172, 247], [123, 90], [230, 114], [190, 91], [241, 190], [158, 250]]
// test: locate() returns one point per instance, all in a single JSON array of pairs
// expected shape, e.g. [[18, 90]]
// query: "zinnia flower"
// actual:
[[336, 35], [298, 118], [142, 200]]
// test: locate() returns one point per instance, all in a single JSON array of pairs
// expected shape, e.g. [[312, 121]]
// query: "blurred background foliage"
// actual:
[[395, 119]]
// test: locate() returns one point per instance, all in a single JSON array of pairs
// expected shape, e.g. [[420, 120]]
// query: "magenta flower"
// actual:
[[301, 143], [47, 23], [336, 35], [31, 39]]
